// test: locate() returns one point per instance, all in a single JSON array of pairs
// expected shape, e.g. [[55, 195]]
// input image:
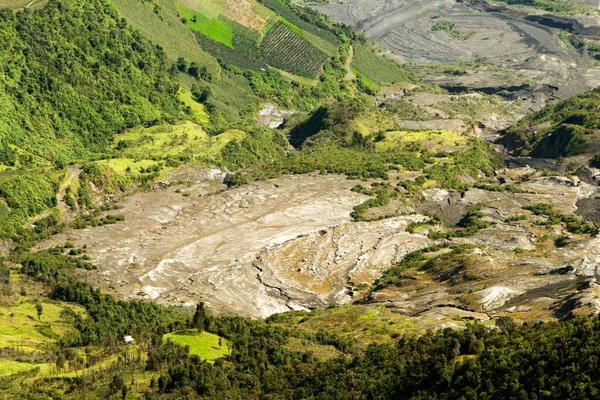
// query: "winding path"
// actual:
[[350, 75]]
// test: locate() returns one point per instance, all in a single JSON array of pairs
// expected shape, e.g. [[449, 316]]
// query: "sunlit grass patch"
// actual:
[[205, 345], [436, 140]]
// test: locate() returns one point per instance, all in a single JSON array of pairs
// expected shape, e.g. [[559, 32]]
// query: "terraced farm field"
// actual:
[[284, 49]]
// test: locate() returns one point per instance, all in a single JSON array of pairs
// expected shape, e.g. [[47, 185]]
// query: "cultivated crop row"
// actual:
[[284, 49]]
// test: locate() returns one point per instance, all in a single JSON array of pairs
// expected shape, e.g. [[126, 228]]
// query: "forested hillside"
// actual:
[[73, 76], [540, 361]]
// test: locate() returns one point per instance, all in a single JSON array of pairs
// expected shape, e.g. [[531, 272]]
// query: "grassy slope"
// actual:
[[186, 138], [377, 68], [166, 30], [23, 329], [198, 109], [205, 345], [20, 328], [211, 27], [431, 140]]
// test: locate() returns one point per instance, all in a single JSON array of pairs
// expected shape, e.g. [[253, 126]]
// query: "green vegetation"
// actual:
[[470, 224], [595, 161], [231, 92], [377, 68], [408, 112], [446, 26], [293, 27], [78, 84], [238, 47], [262, 145], [310, 21], [213, 28], [434, 219], [52, 109], [572, 223], [206, 345], [159, 21], [571, 121], [173, 143], [283, 48], [382, 198], [25, 195], [106, 322], [433, 258]]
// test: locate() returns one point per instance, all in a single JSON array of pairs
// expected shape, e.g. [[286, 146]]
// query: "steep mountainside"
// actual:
[[72, 77], [219, 199]]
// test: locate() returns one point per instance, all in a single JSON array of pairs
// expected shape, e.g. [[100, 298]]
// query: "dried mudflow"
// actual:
[[289, 243], [263, 248]]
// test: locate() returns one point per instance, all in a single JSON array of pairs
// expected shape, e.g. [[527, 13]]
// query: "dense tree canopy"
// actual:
[[73, 75]]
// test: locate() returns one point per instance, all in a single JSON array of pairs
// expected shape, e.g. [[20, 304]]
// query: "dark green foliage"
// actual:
[[442, 266], [362, 189], [330, 122], [310, 127], [311, 20], [73, 75], [510, 188], [564, 141], [472, 220], [550, 361], [572, 223], [91, 219], [50, 266], [434, 219], [105, 178], [595, 161], [330, 145], [446, 26], [344, 160], [244, 54], [382, 199], [478, 159], [39, 309], [572, 120], [199, 316], [237, 179], [22, 196], [109, 319], [28, 194], [272, 86], [470, 223], [264, 145]]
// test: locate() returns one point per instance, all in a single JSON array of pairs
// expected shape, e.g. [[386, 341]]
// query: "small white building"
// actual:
[[129, 340]]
